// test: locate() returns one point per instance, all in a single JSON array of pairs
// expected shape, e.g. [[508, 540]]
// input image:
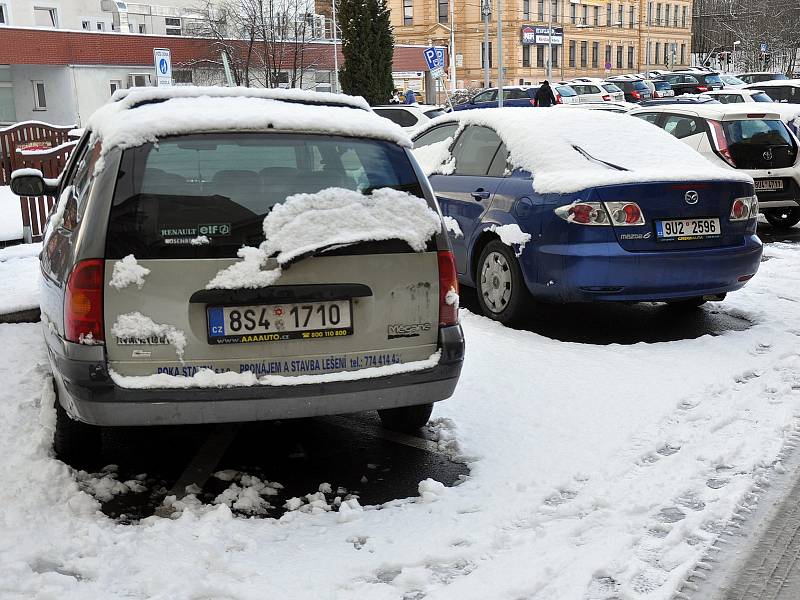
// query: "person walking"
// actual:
[[411, 97], [544, 95]]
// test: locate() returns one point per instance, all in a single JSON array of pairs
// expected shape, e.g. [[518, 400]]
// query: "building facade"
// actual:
[[590, 37]]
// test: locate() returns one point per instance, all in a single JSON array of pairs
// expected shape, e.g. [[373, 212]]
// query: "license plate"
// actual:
[[768, 185], [277, 322], [687, 229]]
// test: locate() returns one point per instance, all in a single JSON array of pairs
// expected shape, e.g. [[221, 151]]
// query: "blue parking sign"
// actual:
[[434, 57]]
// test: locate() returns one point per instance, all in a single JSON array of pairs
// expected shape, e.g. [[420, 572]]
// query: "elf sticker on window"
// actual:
[[214, 229]]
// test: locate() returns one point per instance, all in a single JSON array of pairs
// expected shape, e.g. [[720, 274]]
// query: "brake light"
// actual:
[[558, 99], [584, 213], [83, 306], [754, 116], [448, 289], [721, 142], [744, 208], [636, 95], [533, 101], [702, 88], [625, 213], [607, 98]]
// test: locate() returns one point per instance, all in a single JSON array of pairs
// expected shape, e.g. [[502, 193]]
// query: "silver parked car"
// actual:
[[221, 255]]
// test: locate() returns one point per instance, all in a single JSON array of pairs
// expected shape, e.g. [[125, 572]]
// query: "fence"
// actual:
[[28, 135]]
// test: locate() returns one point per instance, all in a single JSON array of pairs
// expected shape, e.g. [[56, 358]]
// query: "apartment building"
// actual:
[[589, 37]]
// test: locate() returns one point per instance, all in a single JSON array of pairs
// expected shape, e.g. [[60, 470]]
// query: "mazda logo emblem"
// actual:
[[691, 197], [767, 155]]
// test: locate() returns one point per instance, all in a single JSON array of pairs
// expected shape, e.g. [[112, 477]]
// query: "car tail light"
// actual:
[[636, 95], [756, 116], [702, 88], [625, 213], [83, 305], [558, 99], [584, 213], [533, 101], [448, 281], [606, 98], [744, 208], [721, 142]]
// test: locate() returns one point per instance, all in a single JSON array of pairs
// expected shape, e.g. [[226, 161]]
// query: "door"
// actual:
[[487, 99], [688, 128], [468, 192]]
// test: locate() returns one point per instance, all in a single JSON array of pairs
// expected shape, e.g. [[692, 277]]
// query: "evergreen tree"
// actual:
[[368, 48]]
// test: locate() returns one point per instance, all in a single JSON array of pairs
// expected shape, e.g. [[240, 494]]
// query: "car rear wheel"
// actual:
[[406, 419], [502, 292], [782, 218], [75, 443]]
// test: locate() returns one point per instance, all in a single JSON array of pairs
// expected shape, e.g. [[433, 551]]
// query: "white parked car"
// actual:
[[738, 96], [409, 116], [737, 137], [732, 82], [759, 76], [780, 90], [596, 90], [613, 107]]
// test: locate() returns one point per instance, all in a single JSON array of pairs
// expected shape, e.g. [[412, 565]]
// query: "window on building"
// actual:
[[630, 57], [675, 16], [573, 13], [4, 20], [540, 56], [658, 53], [142, 28], [619, 57], [173, 25], [444, 6], [648, 53], [666, 14], [572, 53], [584, 53], [554, 56], [608, 14], [526, 55], [39, 96], [184, 76], [554, 9], [526, 9], [45, 16], [649, 13], [658, 13], [540, 10], [408, 12], [101, 26], [596, 15], [114, 85], [683, 17], [683, 54], [608, 55], [620, 16], [483, 54], [666, 53], [595, 54], [86, 25]]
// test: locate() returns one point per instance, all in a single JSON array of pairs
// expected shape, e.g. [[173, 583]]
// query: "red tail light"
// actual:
[[558, 99], [721, 142], [448, 282], [83, 306], [606, 98], [533, 101], [636, 95], [702, 88]]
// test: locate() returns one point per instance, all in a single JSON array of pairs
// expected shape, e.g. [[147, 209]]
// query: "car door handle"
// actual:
[[480, 194]]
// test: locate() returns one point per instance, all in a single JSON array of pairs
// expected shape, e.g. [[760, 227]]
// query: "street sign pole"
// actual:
[[486, 9], [549, 62], [452, 48], [163, 65], [500, 53]]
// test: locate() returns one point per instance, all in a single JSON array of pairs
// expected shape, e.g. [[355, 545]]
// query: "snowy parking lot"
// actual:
[[595, 471]]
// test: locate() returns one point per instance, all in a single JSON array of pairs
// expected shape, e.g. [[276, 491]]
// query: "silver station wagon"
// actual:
[[221, 255]]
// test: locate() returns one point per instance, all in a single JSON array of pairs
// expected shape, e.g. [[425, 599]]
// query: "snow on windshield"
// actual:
[[306, 223], [544, 142]]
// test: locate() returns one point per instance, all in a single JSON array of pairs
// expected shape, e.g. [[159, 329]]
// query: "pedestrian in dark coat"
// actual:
[[544, 95]]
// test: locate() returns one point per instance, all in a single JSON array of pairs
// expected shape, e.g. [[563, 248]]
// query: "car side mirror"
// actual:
[[30, 182]]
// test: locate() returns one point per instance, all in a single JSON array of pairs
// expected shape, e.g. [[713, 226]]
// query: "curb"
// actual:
[[31, 315]]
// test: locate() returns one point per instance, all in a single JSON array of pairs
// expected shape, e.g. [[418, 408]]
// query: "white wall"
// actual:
[[93, 86], [59, 90]]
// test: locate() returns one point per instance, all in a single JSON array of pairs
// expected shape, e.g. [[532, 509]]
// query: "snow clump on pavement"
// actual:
[[105, 485], [138, 326], [126, 272]]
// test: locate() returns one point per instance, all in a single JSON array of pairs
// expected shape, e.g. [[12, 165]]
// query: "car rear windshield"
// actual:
[[566, 91], [713, 79], [610, 87], [662, 86], [206, 196], [757, 132], [435, 112], [761, 97]]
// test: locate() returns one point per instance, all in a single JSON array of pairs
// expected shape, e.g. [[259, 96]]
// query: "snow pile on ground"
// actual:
[[19, 278], [588, 480], [191, 110], [555, 165], [10, 215], [511, 235], [206, 378], [137, 325], [105, 485], [126, 272], [436, 158], [247, 494], [305, 223]]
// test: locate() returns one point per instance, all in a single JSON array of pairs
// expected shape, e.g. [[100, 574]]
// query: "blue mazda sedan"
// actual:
[[574, 206]]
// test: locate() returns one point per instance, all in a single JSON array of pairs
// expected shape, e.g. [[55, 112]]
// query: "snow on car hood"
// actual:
[[144, 116], [543, 142]]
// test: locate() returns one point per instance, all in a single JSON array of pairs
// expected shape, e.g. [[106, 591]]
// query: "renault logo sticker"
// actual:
[[691, 197]]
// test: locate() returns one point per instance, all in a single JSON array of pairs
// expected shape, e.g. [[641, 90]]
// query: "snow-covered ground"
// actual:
[[597, 472], [19, 277], [10, 215]]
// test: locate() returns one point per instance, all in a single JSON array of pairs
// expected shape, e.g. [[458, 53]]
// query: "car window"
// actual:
[[757, 132], [713, 79], [167, 193], [566, 91], [81, 182], [581, 89], [401, 116], [662, 86], [728, 98], [434, 112], [610, 87], [690, 79], [499, 164], [474, 150], [487, 96], [682, 126], [649, 117], [437, 134], [515, 94], [780, 93], [761, 97]]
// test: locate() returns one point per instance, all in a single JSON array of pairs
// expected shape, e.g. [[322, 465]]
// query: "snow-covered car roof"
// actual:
[[572, 150], [601, 105], [711, 110], [142, 115], [773, 82]]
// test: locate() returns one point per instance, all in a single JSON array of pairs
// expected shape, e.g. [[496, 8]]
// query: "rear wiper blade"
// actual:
[[588, 156]]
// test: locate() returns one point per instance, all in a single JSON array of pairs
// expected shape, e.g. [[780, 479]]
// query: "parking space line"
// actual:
[[386, 434]]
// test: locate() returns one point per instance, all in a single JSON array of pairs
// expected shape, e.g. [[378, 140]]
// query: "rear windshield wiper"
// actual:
[[588, 156]]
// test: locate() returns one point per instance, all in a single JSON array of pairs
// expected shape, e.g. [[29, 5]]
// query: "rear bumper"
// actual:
[[788, 196], [605, 272], [89, 395]]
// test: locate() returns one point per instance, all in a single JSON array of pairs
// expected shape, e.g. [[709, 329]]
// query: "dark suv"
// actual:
[[523, 95], [635, 90], [694, 82]]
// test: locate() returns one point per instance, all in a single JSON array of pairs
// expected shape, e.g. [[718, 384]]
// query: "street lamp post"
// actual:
[[500, 53], [550, 42], [335, 54], [452, 48], [486, 9]]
